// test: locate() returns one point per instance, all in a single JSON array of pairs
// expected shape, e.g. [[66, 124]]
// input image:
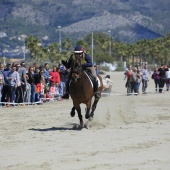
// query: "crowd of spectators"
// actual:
[[23, 84], [137, 75]]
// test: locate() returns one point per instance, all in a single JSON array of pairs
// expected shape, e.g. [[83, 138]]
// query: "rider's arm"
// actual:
[[109, 80], [88, 61], [69, 62]]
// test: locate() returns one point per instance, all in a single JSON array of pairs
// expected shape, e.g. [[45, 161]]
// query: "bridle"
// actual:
[[76, 69]]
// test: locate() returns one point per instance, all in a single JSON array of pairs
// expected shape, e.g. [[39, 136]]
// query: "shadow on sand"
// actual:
[[75, 127]]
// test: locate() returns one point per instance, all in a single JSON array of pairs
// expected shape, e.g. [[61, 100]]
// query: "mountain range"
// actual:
[[125, 20]]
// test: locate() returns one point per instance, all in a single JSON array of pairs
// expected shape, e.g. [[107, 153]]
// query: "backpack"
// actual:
[[153, 76]]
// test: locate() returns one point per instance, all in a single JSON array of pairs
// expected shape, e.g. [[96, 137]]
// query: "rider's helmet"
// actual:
[[78, 49]]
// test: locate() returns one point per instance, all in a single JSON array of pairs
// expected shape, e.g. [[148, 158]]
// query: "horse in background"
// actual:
[[81, 91]]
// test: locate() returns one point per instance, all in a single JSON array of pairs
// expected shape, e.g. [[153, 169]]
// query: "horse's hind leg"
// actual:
[[87, 115], [94, 107]]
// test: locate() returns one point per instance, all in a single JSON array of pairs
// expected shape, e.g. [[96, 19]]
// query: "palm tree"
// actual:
[[34, 46], [53, 52]]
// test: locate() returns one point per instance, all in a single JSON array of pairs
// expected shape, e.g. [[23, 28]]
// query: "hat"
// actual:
[[8, 63], [78, 49]]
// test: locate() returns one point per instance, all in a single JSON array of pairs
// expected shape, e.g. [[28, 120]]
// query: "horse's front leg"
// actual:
[[87, 116], [72, 113], [79, 115]]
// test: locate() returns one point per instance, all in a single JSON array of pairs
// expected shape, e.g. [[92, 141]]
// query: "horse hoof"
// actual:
[[87, 116], [72, 113], [91, 115]]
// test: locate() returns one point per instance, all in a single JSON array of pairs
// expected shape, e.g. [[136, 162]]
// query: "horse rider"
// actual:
[[79, 53]]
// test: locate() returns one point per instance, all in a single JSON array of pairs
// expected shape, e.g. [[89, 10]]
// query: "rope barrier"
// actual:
[[29, 103]]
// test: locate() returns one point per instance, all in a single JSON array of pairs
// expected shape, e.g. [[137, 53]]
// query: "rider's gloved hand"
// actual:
[[64, 63]]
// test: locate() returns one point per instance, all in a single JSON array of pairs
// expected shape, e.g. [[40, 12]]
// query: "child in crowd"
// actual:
[[54, 91], [106, 82]]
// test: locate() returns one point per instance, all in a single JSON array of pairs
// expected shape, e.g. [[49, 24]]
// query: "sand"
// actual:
[[127, 132]]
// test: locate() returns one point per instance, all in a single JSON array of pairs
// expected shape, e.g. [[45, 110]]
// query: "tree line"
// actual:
[[105, 48]]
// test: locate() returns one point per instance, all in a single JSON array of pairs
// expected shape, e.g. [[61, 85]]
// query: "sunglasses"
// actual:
[[78, 53]]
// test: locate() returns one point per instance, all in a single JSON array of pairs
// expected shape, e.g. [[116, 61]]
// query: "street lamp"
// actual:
[[110, 50], [24, 50], [59, 30], [92, 46]]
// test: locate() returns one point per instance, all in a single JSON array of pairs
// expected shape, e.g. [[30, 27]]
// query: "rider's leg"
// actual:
[[93, 71], [97, 94]]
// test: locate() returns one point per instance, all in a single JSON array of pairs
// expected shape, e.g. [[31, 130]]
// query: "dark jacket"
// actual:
[[37, 78], [162, 72], [30, 78]]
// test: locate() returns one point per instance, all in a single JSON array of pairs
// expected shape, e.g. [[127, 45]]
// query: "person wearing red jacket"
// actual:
[[54, 76]]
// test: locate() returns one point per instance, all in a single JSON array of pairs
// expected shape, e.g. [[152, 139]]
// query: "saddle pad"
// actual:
[[91, 80]]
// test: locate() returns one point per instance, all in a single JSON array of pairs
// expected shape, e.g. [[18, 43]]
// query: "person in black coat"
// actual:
[[162, 80]]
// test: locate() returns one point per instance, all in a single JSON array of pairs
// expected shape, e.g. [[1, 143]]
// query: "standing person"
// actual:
[[13, 81], [80, 53], [47, 73], [63, 78], [5, 91], [138, 67], [55, 76], [162, 81], [128, 74], [47, 77], [145, 78], [21, 90], [1, 81], [155, 76], [34, 66], [133, 80], [32, 83], [96, 67], [28, 91], [167, 75], [39, 82], [138, 80]]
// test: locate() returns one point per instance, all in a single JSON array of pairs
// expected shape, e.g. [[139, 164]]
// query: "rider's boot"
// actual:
[[66, 95], [97, 94]]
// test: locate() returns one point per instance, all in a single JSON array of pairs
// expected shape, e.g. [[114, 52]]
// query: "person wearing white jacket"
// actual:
[[167, 75], [106, 82]]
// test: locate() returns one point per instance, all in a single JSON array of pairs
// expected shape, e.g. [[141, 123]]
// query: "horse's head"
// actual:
[[76, 69]]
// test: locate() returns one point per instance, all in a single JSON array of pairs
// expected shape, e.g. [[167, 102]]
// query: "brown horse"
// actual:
[[81, 91]]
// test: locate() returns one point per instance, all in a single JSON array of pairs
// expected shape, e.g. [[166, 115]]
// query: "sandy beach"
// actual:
[[127, 133]]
